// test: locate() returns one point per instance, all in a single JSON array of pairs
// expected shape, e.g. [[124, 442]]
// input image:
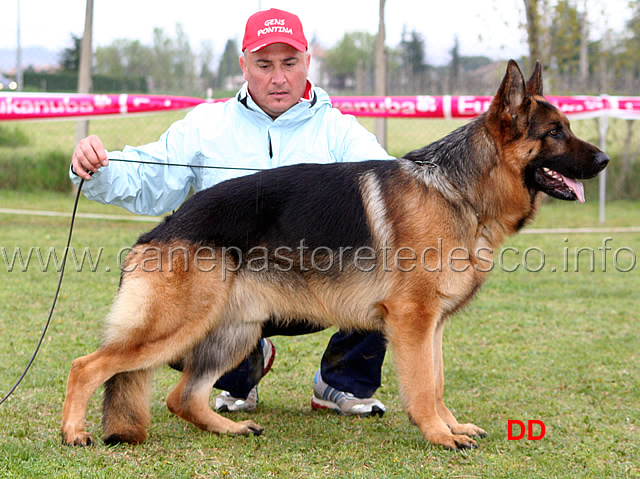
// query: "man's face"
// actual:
[[277, 76]]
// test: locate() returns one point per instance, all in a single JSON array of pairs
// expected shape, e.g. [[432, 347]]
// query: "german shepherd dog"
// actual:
[[355, 245]]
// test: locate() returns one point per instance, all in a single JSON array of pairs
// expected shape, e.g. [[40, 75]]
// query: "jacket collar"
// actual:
[[310, 98]]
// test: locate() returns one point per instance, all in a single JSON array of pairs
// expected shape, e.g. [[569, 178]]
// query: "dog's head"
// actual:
[[536, 138]]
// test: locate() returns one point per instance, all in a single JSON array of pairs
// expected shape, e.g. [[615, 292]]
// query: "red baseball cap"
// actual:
[[273, 26]]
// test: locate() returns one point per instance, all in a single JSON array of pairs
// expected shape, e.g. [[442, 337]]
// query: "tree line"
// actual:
[[557, 33]]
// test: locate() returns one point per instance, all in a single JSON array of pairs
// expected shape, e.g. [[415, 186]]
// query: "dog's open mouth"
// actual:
[[559, 186]]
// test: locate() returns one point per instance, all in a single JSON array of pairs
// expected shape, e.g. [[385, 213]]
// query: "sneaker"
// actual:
[[327, 397], [225, 402]]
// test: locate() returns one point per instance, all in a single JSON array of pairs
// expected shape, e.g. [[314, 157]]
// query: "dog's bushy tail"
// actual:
[[125, 410]]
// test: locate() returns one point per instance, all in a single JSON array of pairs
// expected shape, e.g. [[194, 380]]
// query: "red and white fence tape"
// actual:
[[466, 106], [36, 106]]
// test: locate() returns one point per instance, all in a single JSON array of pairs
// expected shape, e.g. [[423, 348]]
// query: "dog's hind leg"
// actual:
[[152, 321], [412, 329], [125, 409], [443, 411], [219, 352]]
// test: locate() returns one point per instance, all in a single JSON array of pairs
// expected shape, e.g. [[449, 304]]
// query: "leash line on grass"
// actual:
[[64, 258], [55, 299]]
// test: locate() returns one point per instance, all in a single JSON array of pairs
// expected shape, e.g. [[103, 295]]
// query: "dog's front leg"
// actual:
[[412, 331], [443, 410]]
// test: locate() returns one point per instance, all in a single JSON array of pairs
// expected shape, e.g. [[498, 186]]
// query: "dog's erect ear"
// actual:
[[534, 85], [511, 92]]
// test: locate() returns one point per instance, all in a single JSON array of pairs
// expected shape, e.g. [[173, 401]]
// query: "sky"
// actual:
[[483, 27]]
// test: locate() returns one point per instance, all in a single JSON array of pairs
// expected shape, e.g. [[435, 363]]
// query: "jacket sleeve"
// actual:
[[146, 189], [356, 142]]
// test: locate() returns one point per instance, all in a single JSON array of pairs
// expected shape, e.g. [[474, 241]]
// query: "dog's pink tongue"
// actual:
[[576, 187]]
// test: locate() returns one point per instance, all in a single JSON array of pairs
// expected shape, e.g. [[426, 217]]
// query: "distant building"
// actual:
[[317, 70]]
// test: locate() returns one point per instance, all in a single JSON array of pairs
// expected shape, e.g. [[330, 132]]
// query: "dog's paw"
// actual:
[[246, 428], [81, 438], [441, 435], [455, 442], [468, 430], [128, 437]]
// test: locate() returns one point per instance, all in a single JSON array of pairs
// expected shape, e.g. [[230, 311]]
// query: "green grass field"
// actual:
[[560, 347]]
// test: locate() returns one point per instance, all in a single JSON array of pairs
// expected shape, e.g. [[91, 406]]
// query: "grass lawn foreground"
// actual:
[[558, 345]]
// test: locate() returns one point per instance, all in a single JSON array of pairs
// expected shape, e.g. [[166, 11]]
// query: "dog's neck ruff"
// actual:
[[426, 163], [431, 167]]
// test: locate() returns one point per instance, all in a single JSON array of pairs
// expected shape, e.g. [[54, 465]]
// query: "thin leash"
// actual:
[[55, 298], [66, 251], [185, 165]]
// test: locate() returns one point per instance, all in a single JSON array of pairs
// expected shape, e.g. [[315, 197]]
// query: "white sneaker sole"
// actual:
[[317, 403]]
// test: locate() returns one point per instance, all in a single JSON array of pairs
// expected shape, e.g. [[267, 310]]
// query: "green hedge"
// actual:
[[12, 136], [35, 171], [68, 82]]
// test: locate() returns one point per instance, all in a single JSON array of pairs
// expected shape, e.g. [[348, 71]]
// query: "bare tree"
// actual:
[[381, 76], [583, 65], [533, 31], [84, 69]]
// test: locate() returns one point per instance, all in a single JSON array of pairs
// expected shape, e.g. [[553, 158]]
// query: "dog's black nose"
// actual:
[[601, 159]]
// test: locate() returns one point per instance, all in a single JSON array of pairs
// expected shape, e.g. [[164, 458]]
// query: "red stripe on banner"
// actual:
[[35, 106], [462, 106], [625, 106], [391, 106], [581, 106]]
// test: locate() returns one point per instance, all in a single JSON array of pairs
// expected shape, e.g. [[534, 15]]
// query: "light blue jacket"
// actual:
[[236, 133]]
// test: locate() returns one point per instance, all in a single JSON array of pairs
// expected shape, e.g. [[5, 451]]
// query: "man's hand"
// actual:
[[88, 156]]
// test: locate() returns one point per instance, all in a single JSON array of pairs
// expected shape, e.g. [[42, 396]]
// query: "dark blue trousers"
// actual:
[[351, 363]]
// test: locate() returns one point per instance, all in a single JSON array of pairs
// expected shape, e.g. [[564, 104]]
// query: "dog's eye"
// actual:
[[553, 132]]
